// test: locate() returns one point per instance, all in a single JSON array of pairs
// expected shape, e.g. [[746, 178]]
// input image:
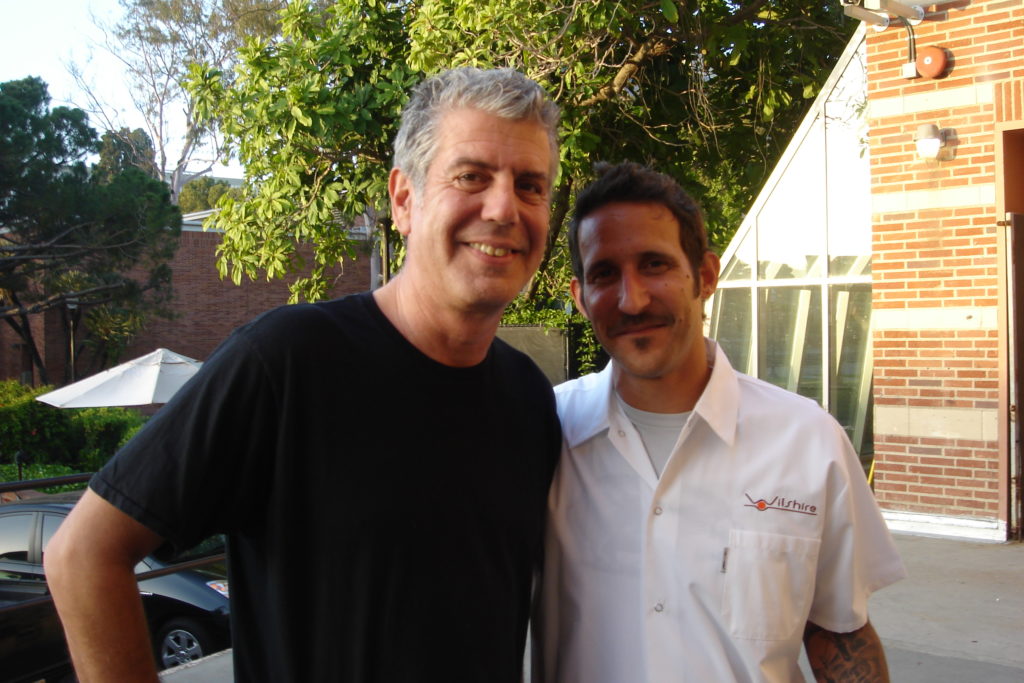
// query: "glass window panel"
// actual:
[[789, 339], [739, 266], [849, 204], [849, 265], [14, 537], [790, 234], [50, 525], [849, 174], [730, 325], [850, 363]]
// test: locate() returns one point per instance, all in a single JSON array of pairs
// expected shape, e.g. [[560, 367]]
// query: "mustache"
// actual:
[[627, 323]]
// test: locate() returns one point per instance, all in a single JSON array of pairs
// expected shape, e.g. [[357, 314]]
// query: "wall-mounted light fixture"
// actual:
[[930, 139], [876, 13]]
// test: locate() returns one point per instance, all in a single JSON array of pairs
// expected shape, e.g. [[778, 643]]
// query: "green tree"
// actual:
[[202, 193], [70, 235], [156, 40], [124, 149], [708, 91], [311, 116]]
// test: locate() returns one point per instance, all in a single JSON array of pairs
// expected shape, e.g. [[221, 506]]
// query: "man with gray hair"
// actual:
[[379, 463]]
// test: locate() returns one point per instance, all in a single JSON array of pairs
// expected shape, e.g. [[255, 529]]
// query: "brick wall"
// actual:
[[209, 308], [936, 275]]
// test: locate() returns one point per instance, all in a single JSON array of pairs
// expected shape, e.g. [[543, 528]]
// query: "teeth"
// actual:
[[489, 250]]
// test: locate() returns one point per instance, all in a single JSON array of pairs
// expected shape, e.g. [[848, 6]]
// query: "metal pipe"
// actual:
[[866, 16]]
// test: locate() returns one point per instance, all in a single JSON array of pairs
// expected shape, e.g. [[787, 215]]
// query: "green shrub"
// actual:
[[9, 472], [101, 432], [43, 433], [81, 438]]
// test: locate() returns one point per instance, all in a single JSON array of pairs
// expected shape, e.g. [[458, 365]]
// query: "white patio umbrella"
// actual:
[[152, 378]]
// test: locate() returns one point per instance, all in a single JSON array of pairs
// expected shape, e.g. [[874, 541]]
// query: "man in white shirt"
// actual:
[[703, 524]]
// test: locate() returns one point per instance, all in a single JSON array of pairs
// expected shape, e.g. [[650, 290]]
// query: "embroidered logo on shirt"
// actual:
[[780, 503]]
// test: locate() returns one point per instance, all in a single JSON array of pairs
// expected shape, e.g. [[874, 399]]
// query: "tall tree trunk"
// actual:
[[24, 330]]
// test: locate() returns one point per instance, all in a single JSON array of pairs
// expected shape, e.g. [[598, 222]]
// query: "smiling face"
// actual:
[[641, 294], [477, 229]]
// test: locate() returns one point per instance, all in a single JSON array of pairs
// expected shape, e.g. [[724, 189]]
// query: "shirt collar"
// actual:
[[585, 404], [719, 404]]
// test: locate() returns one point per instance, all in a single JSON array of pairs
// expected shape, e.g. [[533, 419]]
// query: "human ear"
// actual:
[[402, 195], [576, 289], [709, 267]]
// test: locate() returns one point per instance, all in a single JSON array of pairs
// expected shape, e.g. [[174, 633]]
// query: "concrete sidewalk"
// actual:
[[958, 618]]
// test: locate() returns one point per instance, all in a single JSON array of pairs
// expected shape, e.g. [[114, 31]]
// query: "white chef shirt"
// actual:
[[761, 521]]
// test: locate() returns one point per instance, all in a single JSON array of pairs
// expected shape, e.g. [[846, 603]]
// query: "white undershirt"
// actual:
[[658, 431]]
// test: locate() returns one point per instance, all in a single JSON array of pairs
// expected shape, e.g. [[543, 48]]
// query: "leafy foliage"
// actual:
[[71, 234], [310, 116], [35, 470], [80, 439], [204, 193], [100, 432], [41, 432], [707, 91], [125, 149], [156, 40]]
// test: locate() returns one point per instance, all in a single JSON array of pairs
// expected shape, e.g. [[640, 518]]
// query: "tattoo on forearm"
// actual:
[[855, 657]]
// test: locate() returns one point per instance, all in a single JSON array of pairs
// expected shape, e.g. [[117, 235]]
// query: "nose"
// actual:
[[499, 202], [633, 294]]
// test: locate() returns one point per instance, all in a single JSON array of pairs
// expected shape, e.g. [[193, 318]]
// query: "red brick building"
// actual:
[[946, 341], [206, 308], [928, 304]]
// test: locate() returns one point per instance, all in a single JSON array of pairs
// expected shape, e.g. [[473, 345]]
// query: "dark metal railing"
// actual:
[[8, 486]]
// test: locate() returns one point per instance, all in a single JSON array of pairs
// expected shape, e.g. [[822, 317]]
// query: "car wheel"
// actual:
[[181, 641]]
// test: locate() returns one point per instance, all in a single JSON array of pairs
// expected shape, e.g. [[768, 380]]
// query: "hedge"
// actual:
[[81, 438]]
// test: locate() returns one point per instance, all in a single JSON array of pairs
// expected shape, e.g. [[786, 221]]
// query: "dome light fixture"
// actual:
[[930, 139]]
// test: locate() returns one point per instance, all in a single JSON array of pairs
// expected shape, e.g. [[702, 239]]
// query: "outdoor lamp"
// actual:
[[929, 139]]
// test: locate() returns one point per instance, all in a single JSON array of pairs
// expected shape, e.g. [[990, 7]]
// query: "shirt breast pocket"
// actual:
[[769, 584]]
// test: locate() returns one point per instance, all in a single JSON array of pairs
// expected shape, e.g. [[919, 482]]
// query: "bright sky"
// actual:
[[39, 39]]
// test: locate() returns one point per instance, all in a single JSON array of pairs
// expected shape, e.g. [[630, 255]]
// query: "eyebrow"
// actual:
[[643, 256], [602, 263], [664, 256], [476, 163]]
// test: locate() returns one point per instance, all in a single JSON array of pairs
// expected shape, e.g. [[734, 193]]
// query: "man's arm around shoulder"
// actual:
[[90, 568], [854, 657]]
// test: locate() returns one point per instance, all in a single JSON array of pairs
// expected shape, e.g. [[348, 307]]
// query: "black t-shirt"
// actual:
[[384, 512]]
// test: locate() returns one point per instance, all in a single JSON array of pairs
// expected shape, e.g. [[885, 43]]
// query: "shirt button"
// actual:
[[659, 607], [622, 433], [657, 510]]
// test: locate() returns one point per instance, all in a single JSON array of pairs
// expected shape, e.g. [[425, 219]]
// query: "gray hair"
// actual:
[[505, 93]]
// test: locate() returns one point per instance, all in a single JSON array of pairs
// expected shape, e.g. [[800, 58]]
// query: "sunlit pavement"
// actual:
[[958, 618]]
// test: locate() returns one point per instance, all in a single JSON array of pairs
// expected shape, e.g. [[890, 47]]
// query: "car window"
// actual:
[[50, 524], [14, 536], [214, 545]]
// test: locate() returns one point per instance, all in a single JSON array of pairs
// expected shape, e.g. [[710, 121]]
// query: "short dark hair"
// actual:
[[632, 182]]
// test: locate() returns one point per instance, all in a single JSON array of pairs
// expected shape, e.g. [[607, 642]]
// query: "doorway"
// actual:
[[1013, 204]]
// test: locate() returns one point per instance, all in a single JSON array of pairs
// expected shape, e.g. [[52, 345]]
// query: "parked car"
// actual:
[[187, 611]]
